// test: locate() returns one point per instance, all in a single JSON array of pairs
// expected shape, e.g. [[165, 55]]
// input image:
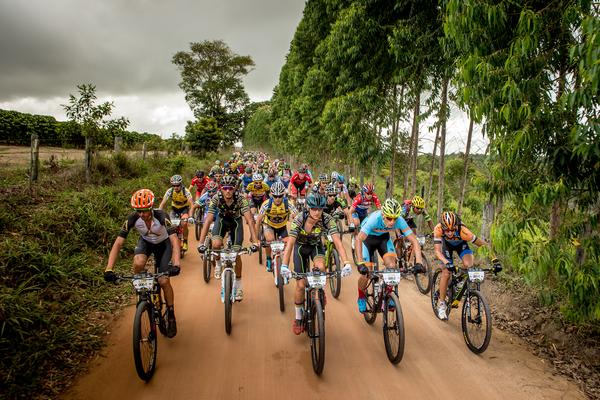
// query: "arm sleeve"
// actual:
[[376, 200], [128, 224]]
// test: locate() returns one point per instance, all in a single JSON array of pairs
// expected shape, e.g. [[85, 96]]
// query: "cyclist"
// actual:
[[352, 188], [181, 202], [246, 177], [257, 192], [273, 217], [216, 173], [374, 236], [362, 204], [286, 175], [305, 241], [321, 184], [226, 209], [413, 208], [158, 237], [299, 181], [203, 201], [450, 236], [199, 181], [272, 177]]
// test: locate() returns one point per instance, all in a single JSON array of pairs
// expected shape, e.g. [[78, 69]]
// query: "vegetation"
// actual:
[[54, 303]]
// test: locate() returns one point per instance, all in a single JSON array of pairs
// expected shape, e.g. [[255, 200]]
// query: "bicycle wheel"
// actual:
[[276, 267], [435, 293], [335, 281], [144, 341], [198, 224], [371, 314], [423, 280], [160, 308], [476, 322], [228, 284], [207, 260], [316, 332], [393, 328], [352, 244]]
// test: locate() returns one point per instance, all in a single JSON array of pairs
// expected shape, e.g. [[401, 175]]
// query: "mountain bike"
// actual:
[[228, 259], [198, 217], [313, 319], [277, 247], [476, 317], [382, 297], [332, 264], [403, 251], [150, 312]]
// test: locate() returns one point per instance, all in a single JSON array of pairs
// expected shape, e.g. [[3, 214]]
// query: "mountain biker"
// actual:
[[305, 241], [374, 236], [272, 177], [257, 192], [362, 204], [298, 182], [226, 209], [450, 236], [158, 237], [273, 215], [181, 202], [320, 185], [202, 202], [199, 181], [246, 177], [413, 208]]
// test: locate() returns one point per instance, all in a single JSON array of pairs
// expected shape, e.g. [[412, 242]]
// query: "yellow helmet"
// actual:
[[418, 202], [391, 208]]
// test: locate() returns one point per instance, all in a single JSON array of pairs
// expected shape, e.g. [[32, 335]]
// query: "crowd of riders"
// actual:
[[295, 206]]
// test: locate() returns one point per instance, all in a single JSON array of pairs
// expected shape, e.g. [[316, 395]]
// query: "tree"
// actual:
[[211, 77], [91, 117], [203, 135]]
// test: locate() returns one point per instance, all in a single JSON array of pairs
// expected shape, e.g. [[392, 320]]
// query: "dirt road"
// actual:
[[263, 359]]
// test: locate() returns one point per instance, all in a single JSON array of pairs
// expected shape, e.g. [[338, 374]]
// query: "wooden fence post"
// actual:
[[35, 160], [144, 151], [118, 143]]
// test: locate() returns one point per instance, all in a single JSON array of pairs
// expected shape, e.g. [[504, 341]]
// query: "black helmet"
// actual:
[[200, 174], [315, 200]]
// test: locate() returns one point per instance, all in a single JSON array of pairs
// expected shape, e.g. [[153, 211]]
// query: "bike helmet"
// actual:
[[367, 188], [257, 178], [448, 220], [315, 200], [229, 180], [331, 190], [143, 199], [391, 208], [249, 170], [303, 169], [211, 187], [324, 178], [200, 174], [341, 179], [176, 180], [418, 202], [277, 189], [335, 176]]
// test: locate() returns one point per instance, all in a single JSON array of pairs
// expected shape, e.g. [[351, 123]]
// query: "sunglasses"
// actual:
[[316, 209], [176, 186], [140, 210], [227, 187], [390, 219], [447, 230], [331, 195], [280, 196]]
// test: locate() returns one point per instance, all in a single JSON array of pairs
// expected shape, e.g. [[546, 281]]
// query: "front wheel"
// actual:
[[316, 332], [476, 322], [228, 287], [435, 294], [370, 315], [198, 223], [276, 271], [335, 281], [393, 328], [144, 341], [352, 245], [423, 280], [207, 260]]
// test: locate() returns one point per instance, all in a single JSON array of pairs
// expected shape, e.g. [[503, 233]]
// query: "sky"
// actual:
[[124, 47]]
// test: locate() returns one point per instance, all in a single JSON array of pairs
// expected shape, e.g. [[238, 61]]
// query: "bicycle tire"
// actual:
[[371, 314], [352, 245], [206, 262], [198, 224], [335, 281], [468, 322], [280, 285], [261, 239], [393, 333], [144, 341], [228, 284], [435, 293], [423, 280], [316, 333], [161, 310]]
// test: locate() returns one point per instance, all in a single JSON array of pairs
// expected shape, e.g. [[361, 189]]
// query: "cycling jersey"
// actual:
[[199, 183], [276, 216], [374, 225], [271, 182], [217, 205], [330, 208], [409, 213], [362, 205], [246, 180], [160, 229], [179, 199], [299, 182], [460, 233], [258, 189], [325, 226]]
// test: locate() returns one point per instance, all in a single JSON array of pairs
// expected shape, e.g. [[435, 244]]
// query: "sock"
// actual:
[[298, 312]]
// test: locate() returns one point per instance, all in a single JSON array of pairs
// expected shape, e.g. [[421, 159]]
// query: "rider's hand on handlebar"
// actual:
[[109, 276], [362, 268], [201, 249], [174, 270], [285, 272], [496, 265], [347, 270], [191, 220]]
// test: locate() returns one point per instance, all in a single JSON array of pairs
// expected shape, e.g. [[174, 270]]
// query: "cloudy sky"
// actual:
[[124, 47]]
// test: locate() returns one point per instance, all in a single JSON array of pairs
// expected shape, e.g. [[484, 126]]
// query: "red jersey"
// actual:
[[300, 182], [362, 205], [199, 183]]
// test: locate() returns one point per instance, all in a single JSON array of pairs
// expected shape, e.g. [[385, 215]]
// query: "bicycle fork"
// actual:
[[233, 288]]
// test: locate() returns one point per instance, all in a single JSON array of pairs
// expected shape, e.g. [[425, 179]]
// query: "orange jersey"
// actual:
[[459, 234]]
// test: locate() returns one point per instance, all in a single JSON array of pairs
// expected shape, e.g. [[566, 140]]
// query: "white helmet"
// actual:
[[257, 177]]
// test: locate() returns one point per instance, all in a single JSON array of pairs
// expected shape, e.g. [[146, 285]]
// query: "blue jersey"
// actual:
[[271, 182], [246, 180], [373, 225]]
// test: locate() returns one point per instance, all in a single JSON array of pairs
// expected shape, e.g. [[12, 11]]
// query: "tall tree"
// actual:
[[203, 135], [211, 77], [463, 182]]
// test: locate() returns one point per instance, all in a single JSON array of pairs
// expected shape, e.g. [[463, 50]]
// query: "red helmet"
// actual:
[[367, 188], [143, 199]]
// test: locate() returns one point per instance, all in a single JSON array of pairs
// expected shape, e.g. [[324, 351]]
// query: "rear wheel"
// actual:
[[476, 322], [335, 281], [228, 285], [276, 267], [371, 314], [261, 240], [435, 293], [144, 341], [352, 244], [207, 260], [423, 280], [316, 332], [198, 223], [393, 328]]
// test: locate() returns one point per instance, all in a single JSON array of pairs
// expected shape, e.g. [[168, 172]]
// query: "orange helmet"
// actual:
[[448, 220], [143, 199]]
